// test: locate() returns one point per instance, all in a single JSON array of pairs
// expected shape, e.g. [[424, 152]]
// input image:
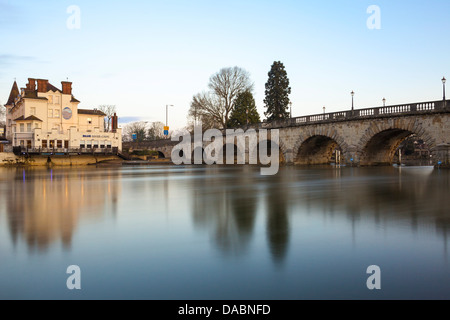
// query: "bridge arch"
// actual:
[[380, 141], [318, 147], [160, 154]]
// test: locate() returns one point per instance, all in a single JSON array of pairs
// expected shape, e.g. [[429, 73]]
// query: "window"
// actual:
[[108, 144], [33, 111], [95, 143], [22, 143], [66, 144], [52, 144], [59, 143], [9, 122], [14, 129], [56, 113], [28, 127], [50, 99], [89, 144], [36, 125], [50, 113], [89, 120], [44, 144], [29, 144], [56, 99], [82, 144], [22, 127]]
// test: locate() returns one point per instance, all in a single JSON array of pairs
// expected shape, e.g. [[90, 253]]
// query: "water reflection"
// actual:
[[277, 221], [226, 204], [235, 205], [160, 231], [44, 206]]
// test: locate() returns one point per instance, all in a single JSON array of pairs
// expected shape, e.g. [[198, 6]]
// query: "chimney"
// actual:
[[42, 85], [114, 123], [66, 87], [31, 85]]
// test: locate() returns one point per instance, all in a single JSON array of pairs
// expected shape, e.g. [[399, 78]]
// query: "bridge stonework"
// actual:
[[363, 137]]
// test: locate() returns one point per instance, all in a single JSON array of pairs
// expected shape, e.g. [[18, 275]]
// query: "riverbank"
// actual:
[[10, 159]]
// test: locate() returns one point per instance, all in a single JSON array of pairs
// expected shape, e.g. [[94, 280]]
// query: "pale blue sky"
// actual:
[[142, 55]]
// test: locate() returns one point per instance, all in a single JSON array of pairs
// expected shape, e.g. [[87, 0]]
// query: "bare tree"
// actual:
[[208, 110], [156, 131], [2, 118], [138, 128], [215, 106], [2, 114], [109, 110]]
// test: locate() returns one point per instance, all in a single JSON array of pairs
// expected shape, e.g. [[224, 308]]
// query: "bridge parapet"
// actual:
[[375, 112]]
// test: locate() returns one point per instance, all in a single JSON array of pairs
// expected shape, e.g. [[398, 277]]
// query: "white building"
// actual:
[[47, 119]]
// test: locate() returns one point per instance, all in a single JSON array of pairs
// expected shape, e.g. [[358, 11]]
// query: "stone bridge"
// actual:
[[362, 137]]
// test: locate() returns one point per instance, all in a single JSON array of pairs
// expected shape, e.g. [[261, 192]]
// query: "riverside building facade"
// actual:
[[41, 118]]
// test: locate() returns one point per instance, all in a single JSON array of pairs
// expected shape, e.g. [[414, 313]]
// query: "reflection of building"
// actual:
[[46, 206], [47, 118]]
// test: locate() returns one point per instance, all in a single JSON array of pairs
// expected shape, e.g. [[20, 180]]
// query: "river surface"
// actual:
[[224, 232]]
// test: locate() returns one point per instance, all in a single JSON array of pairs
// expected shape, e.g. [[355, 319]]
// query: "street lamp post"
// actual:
[[166, 129], [167, 113], [324, 109], [353, 94], [443, 86], [246, 116], [384, 102]]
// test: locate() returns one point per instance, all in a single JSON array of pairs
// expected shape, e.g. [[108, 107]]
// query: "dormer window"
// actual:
[[89, 120]]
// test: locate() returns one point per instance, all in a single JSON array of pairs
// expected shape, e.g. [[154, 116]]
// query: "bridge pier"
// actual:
[[442, 153], [289, 156], [350, 156]]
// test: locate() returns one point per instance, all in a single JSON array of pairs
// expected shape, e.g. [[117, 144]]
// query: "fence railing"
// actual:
[[366, 113], [65, 151]]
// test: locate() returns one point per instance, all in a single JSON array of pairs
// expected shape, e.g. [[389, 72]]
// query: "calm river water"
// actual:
[[200, 232]]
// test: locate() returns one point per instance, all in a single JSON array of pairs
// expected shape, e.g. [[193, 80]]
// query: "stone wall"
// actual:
[[63, 160]]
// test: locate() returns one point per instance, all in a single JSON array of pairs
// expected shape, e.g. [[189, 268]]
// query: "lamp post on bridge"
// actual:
[[443, 88], [384, 102], [353, 94], [246, 117]]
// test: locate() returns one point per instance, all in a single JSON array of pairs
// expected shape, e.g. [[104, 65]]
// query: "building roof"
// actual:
[[30, 118], [93, 112], [13, 95], [74, 100], [51, 87], [33, 95]]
